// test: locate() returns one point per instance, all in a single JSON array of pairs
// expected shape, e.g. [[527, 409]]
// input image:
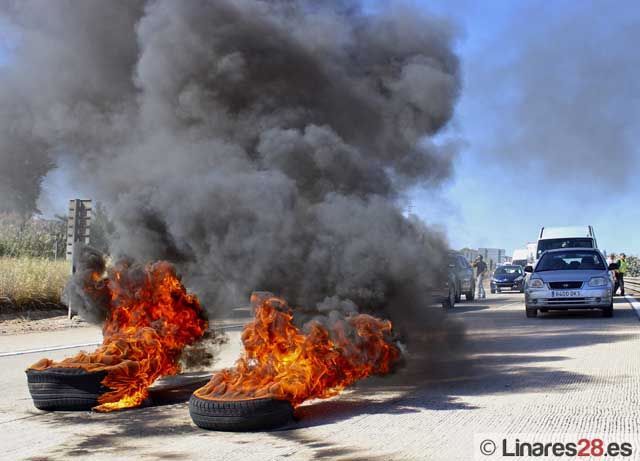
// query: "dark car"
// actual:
[[455, 280], [508, 278], [463, 276], [446, 292]]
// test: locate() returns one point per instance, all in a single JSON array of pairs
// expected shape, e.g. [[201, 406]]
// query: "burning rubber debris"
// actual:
[[282, 362], [150, 318], [267, 144]]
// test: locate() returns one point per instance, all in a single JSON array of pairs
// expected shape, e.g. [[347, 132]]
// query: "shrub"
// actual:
[[33, 238]]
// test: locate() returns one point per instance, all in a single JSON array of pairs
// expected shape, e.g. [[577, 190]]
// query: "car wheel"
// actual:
[[450, 302], [608, 311], [458, 296], [470, 295], [240, 415], [532, 313]]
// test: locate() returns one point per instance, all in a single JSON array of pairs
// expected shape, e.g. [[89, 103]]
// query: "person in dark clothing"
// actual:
[[481, 269]]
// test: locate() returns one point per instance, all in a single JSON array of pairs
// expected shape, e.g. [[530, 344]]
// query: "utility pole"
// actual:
[[78, 230]]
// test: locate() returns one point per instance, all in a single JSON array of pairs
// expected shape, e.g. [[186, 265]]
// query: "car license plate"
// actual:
[[565, 293]]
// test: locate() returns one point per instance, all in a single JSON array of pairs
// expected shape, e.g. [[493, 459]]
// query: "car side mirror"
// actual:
[[529, 269]]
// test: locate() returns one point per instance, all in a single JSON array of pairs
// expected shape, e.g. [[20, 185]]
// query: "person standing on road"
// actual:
[[622, 269], [481, 269], [612, 260]]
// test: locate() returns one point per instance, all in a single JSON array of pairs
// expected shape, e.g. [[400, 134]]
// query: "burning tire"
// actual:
[[239, 415], [65, 389]]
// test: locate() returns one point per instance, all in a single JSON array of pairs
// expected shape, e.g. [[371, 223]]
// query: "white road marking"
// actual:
[[74, 346], [46, 349], [634, 303]]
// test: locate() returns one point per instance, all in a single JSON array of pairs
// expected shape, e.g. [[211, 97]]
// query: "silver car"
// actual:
[[569, 278]]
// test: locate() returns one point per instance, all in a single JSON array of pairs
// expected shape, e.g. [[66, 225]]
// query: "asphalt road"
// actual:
[[561, 373]]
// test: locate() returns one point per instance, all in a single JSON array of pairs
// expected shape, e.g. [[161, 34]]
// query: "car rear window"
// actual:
[[571, 260]]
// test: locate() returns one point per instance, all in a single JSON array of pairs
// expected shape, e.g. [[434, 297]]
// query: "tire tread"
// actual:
[[65, 389], [239, 415]]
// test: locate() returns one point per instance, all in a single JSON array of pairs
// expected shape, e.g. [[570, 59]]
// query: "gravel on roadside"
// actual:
[[29, 321]]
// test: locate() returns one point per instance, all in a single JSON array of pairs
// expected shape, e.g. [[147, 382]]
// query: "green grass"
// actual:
[[32, 282]]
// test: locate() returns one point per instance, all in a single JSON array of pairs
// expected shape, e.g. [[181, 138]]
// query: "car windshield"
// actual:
[[503, 270], [570, 260], [556, 244]]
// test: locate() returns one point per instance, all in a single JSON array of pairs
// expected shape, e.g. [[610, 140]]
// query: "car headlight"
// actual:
[[597, 282], [536, 283]]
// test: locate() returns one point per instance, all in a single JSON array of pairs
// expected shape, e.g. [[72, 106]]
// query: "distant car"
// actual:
[[463, 273], [456, 280], [572, 278], [520, 257], [520, 262], [508, 277], [446, 292]]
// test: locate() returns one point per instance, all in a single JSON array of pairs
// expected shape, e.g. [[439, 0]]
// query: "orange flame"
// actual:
[[151, 319], [283, 363]]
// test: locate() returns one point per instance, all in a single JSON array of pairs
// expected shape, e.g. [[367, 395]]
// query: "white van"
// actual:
[[520, 257], [552, 238]]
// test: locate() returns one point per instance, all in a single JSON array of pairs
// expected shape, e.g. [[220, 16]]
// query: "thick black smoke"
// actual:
[[257, 144]]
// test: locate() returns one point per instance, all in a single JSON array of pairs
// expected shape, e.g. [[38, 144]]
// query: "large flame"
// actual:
[[151, 319], [284, 363]]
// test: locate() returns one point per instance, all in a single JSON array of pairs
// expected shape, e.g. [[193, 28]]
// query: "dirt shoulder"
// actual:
[[35, 320]]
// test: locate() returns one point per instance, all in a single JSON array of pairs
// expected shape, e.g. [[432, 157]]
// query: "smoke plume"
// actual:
[[256, 144]]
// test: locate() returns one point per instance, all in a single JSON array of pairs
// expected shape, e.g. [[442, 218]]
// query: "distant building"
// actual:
[[469, 253], [493, 256]]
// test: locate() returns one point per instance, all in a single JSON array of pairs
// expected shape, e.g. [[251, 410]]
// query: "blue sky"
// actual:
[[502, 199], [546, 122]]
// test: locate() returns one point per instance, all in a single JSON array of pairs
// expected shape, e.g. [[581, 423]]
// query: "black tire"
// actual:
[[608, 311], [240, 415], [531, 313], [65, 389], [470, 295]]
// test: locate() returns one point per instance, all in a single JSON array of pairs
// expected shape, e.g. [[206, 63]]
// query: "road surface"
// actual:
[[561, 373]]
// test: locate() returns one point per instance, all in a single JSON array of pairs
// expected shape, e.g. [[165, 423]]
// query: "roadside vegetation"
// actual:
[[33, 268], [634, 266], [27, 282], [33, 271]]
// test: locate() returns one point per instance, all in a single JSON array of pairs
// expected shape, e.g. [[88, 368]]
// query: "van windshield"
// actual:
[[554, 244]]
